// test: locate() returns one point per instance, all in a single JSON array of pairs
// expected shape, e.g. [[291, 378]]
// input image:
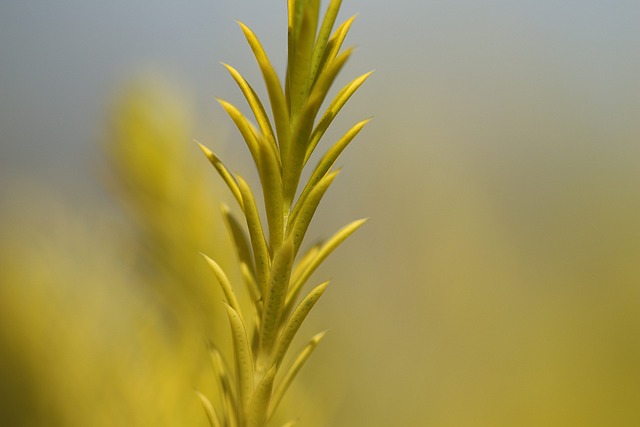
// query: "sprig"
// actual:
[[281, 146]]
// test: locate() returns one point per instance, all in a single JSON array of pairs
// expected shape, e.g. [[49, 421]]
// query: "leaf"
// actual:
[[271, 177], [305, 22], [322, 254], [261, 398], [224, 380], [250, 282], [225, 284], [334, 108], [224, 173], [304, 126], [254, 102], [299, 361], [295, 321], [208, 409], [258, 241], [274, 89], [329, 159], [243, 359], [335, 43], [248, 132], [240, 240], [304, 261], [301, 218], [275, 297], [323, 36]]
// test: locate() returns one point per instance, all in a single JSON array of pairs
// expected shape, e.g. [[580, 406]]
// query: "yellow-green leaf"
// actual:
[[261, 398], [275, 296], [240, 240], [274, 89], [334, 108], [258, 241], [295, 321], [271, 177], [322, 254], [298, 362], [248, 132], [243, 359], [208, 409], [301, 217], [254, 102], [224, 173], [225, 284], [323, 36]]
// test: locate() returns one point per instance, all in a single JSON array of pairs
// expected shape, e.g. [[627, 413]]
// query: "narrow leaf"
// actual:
[[275, 296], [271, 177], [250, 282], [258, 241], [208, 409], [301, 218], [299, 361], [225, 284], [274, 89], [328, 160], [228, 393], [243, 359], [304, 32], [334, 44], [304, 126], [261, 398], [323, 36], [254, 102], [322, 254], [334, 108], [240, 240], [295, 321], [224, 173], [248, 132], [306, 258]]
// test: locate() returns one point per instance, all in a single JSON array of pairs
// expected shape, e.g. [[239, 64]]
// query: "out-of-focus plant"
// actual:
[[262, 335], [163, 190]]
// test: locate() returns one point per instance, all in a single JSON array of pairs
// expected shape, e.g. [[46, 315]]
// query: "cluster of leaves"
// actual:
[[274, 280]]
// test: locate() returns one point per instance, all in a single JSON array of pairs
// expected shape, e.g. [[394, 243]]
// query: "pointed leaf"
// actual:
[[225, 284], [323, 36], [254, 102], [240, 240], [248, 132], [243, 359], [295, 321], [334, 108], [307, 257], [301, 218], [299, 361], [329, 159], [224, 173], [304, 126], [275, 296], [258, 241], [304, 32], [274, 89], [208, 409], [334, 44], [261, 398], [250, 282], [271, 177], [224, 381], [323, 253]]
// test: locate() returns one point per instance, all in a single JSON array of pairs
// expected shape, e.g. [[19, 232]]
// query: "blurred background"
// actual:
[[497, 283]]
